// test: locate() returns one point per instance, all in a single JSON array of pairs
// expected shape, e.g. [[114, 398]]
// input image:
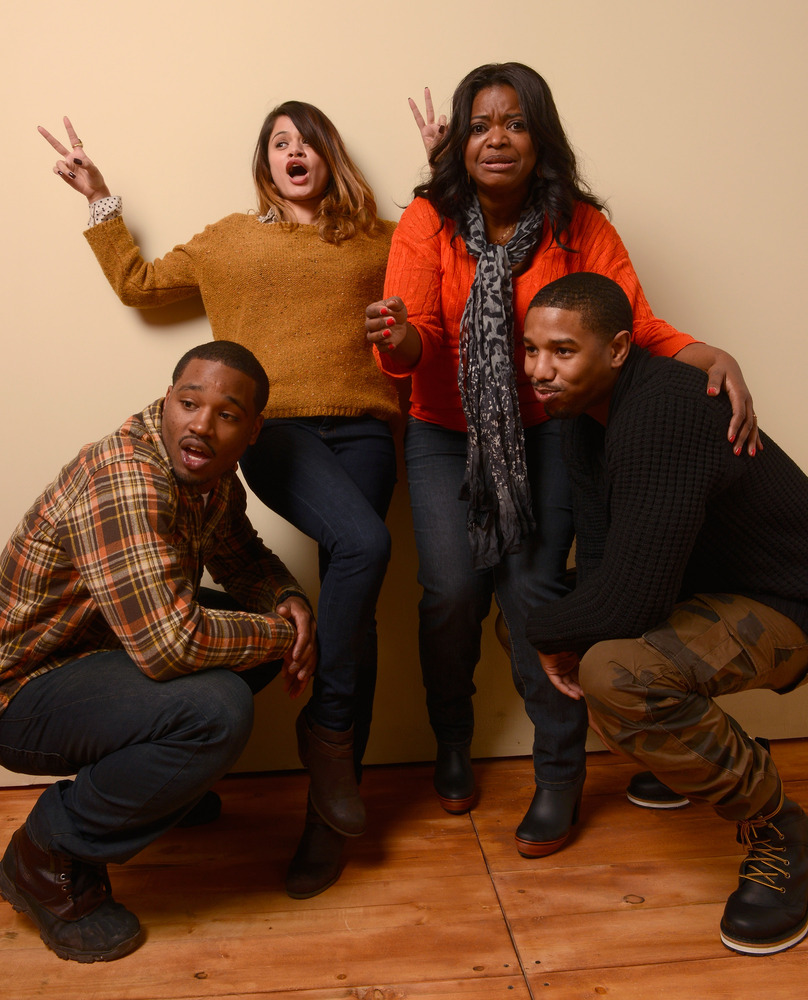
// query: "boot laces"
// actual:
[[765, 862], [78, 877]]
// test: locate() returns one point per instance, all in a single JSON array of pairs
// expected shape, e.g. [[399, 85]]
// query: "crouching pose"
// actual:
[[112, 669], [692, 583]]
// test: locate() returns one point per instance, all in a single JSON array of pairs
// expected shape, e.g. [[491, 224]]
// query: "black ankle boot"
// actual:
[[768, 912], [207, 810], [454, 778], [317, 863], [334, 792], [69, 900], [549, 820]]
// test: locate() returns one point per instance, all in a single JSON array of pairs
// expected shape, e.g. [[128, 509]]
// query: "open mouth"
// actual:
[[296, 169], [194, 454]]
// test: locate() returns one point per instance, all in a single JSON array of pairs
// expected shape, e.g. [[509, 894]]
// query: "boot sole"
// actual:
[[458, 807], [309, 893], [766, 947], [656, 803], [20, 903], [534, 849]]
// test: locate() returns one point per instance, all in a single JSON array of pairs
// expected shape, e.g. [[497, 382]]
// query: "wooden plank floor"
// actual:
[[430, 905]]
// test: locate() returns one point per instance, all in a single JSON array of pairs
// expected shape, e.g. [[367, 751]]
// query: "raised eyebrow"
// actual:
[[237, 403], [555, 341], [189, 387], [518, 113]]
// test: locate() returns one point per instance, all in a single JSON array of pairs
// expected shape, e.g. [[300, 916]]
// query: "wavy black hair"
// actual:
[[557, 185]]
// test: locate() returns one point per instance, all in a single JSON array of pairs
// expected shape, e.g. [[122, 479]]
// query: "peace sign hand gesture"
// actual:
[[431, 130], [76, 168]]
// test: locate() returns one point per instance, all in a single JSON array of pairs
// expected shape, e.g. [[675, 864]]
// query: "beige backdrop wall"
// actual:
[[689, 118]]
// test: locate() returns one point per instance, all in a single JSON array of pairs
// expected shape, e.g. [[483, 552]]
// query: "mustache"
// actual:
[[190, 442]]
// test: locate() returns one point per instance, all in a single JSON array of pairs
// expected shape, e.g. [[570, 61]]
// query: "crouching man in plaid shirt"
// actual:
[[114, 668]]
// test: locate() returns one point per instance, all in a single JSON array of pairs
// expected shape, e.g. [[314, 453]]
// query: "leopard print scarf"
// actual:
[[495, 483]]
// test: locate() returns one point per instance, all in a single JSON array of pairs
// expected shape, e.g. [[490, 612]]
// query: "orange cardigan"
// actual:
[[433, 277]]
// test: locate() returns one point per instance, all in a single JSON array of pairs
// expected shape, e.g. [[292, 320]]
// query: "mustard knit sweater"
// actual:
[[296, 302]]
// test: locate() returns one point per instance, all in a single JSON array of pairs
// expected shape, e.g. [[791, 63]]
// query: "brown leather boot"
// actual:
[[70, 902], [317, 863], [333, 790]]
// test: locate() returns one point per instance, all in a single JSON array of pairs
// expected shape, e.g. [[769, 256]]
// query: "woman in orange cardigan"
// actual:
[[503, 214]]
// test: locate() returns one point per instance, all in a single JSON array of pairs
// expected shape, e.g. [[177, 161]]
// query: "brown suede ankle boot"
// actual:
[[333, 790], [317, 863]]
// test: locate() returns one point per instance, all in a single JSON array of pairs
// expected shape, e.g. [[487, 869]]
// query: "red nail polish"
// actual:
[[383, 310], [391, 321], [386, 333]]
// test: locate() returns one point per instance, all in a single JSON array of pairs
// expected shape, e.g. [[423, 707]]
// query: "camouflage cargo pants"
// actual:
[[652, 697]]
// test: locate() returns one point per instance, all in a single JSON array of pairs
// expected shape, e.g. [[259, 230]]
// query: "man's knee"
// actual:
[[608, 669], [212, 707]]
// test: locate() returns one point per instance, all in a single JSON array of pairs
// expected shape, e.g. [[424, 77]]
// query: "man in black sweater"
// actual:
[[692, 582]]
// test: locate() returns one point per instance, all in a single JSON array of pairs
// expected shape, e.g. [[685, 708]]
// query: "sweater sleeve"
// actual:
[[414, 273], [602, 251], [135, 281], [668, 455]]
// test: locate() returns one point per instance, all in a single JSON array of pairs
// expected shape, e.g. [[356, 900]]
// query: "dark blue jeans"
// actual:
[[456, 598], [143, 751], [333, 478]]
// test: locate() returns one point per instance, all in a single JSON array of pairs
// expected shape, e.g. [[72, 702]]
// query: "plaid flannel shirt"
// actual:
[[111, 556]]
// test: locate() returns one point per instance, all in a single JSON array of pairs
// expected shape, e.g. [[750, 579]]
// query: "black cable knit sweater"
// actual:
[[664, 510]]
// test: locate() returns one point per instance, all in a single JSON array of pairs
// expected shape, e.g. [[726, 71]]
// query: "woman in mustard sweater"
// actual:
[[291, 284]]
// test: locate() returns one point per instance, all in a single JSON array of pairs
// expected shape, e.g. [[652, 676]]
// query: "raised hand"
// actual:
[[75, 167], [431, 130], [387, 328]]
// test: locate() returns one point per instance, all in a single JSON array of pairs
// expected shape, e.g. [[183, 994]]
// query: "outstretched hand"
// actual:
[[75, 167], [431, 130], [726, 374]]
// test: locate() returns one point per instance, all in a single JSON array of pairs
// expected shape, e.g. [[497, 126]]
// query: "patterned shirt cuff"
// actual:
[[105, 209]]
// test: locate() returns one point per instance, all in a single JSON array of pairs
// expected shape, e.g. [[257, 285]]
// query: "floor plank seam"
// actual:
[[502, 910]]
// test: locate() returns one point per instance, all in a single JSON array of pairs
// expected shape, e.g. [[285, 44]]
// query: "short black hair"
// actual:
[[227, 352], [603, 306]]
